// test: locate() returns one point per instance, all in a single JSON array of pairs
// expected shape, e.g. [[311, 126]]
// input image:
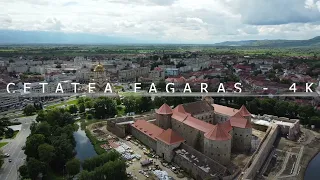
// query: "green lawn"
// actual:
[[3, 144], [130, 93], [74, 101]]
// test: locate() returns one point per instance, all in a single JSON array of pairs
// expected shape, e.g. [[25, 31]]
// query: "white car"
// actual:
[[7, 155]]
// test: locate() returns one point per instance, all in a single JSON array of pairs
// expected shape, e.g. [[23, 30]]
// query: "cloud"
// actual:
[[275, 12], [185, 21], [71, 3]]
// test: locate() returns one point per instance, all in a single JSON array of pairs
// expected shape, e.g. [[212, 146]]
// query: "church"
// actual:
[[212, 129]]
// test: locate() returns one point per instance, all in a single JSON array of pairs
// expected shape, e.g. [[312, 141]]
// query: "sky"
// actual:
[[177, 21]]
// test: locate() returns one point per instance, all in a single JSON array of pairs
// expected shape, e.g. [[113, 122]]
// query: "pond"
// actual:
[[312, 171], [84, 148]]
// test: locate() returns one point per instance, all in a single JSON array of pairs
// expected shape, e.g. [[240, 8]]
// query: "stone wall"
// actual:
[[241, 139], [220, 118], [193, 137], [261, 153], [165, 150], [195, 163], [220, 151], [118, 130]]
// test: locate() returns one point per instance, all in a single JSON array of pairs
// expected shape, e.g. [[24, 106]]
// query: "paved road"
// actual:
[[9, 170]]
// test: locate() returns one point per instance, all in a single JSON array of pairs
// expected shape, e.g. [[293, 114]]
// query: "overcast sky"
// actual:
[[179, 21]]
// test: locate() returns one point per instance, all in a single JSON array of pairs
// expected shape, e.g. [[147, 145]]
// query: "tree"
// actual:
[[253, 106], [23, 171], [80, 100], [159, 101], [88, 104], [4, 122], [9, 133], [41, 116], [35, 167], [315, 120], [46, 153], [281, 108], [305, 112], [104, 108], [82, 108], [85, 175], [146, 104], [267, 105], [29, 110], [73, 109], [63, 147], [43, 128], [130, 102], [292, 109], [73, 167], [32, 144]]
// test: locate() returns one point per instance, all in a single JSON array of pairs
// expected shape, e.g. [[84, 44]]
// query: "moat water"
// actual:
[[84, 148], [313, 169]]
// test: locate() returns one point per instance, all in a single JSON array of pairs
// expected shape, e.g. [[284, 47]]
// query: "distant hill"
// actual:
[[273, 43]]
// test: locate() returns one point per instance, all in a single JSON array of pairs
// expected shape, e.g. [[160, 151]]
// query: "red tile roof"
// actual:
[[224, 110], [226, 126], [244, 111], [170, 137], [164, 109], [147, 128], [198, 124], [179, 108], [179, 116], [239, 121], [218, 134]]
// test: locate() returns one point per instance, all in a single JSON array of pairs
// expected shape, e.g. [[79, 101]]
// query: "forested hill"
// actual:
[[273, 43]]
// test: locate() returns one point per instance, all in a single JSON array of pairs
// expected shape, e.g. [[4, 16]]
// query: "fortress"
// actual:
[[211, 129]]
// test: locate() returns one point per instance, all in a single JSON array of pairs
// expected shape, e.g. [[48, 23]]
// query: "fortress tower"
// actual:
[[163, 117], [217, 144], [242, 132]]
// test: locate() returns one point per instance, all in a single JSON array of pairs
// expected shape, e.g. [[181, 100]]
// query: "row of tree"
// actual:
[[50, 146], [109, 166], [307, 114]]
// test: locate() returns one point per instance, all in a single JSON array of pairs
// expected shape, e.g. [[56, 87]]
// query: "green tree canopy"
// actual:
[[46, 153], [29, 110], [73, 167]]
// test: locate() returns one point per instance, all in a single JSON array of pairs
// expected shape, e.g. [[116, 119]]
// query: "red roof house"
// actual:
[[170, 137], [239, 121], [218, 134], [164, 109], [147, 128]]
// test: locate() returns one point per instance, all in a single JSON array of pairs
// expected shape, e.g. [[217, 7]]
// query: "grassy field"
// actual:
[[74, 101], [3, 144], [130, 93]]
